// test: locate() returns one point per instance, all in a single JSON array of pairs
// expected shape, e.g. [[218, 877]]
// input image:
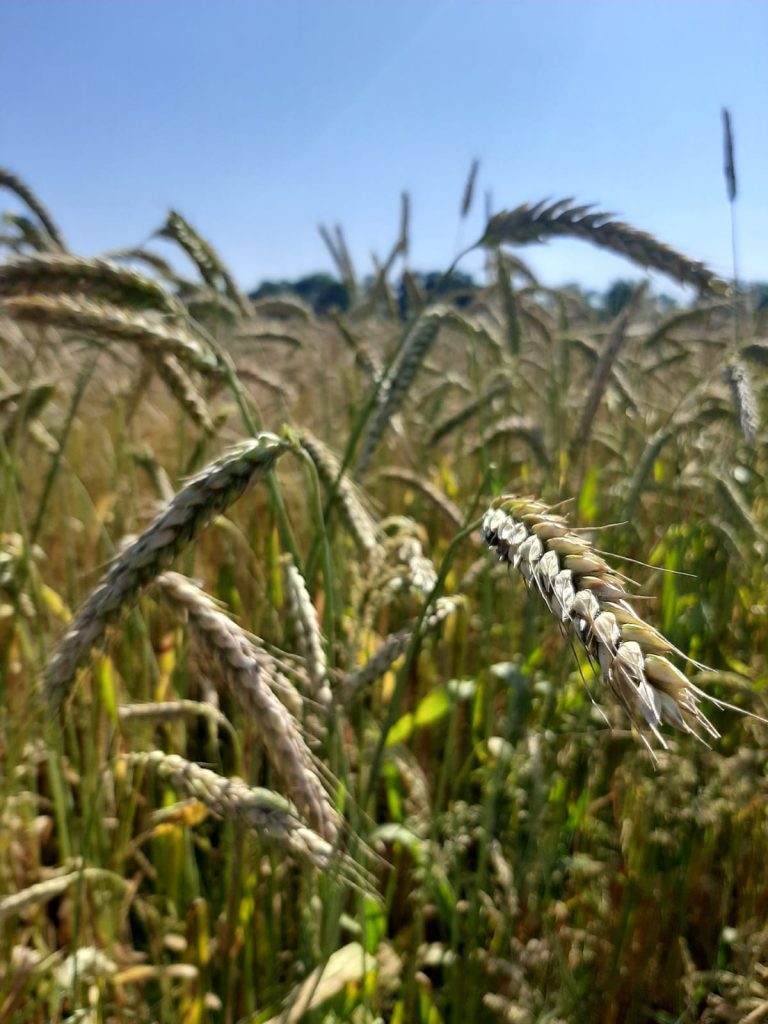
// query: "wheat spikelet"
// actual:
[[204, 257], [153, 712], [358, 520], [49, 889], [308, 634], [743, 397], [93, 278], [27, 196], [204, 497], [259, 810], [398, 381], [181, 386], [534, 222], [583, 592], [106, 320], [245, 668]]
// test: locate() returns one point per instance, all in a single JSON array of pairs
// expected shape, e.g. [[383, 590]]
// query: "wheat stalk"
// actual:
[[535, 222], [204, 497], [583, 592], [246, 669]]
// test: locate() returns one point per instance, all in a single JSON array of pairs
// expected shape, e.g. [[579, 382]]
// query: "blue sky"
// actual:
[[258, 120]]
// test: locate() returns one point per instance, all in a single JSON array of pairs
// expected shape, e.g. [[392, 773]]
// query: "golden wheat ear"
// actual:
[[587, 595]]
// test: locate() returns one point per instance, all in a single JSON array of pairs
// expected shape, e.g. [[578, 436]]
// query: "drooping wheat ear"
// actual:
[[25, 193], [583, 592], [245, 669], [308, 633], [93, 278], [104, 320], [204, 497], [359, 521], [283, 308], [743, 397], [535, 222], [260, 810], [398, 381], [396, 644], [183, 389], [205, 258], [151, 259], [30, 233]]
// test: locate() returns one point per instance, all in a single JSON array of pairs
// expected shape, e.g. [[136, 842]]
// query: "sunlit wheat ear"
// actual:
[[309, 636], [259, 810], [535, 222], [207, 260], [106, 321], [206, 495], [743, 397], [585, 594], [246, 669], [183, 389], [93, 278]]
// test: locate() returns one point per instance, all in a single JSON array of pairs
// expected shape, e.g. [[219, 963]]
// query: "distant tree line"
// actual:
[[324, 293]]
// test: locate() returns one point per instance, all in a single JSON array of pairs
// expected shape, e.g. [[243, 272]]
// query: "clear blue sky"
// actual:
[[258, 120]]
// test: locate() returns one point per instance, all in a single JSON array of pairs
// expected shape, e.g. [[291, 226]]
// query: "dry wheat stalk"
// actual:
[[521, 428], [206, 495], [94, 278], [428, 490], [261, 810], [246, 669], [18, 187], [106, 320], [534, 222], [583, 592]]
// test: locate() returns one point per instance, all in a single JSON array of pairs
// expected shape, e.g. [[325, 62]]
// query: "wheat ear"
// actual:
[[206, 495], [245, 669], [94, 278], [25, 193], [308, 633], [535, 222], [261, 810], [583, 592], [108, 321]]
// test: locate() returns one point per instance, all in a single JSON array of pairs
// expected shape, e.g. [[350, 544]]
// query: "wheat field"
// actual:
[[404, 663]]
